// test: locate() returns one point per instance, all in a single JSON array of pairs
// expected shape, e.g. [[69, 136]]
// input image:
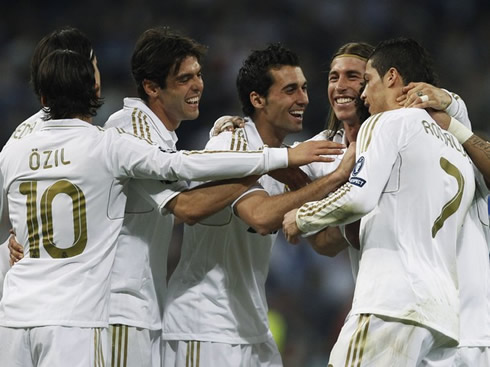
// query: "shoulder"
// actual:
[[327, 135], [229, 140], [28, 126], [121, 118]]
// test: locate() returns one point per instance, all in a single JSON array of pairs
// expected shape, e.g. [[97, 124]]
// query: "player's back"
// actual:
[[66, 207], [409, 240]]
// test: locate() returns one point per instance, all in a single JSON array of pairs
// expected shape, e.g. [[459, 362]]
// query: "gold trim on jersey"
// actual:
[[119, 345], [358, 342], [98, 350], [366, 132], [191, 152], [141, 127], [193, 354], [314, 207], [121, 131], [238, 138]]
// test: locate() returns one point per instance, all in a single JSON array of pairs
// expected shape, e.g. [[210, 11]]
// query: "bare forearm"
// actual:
[[479, 152], [328, 242], [195, 204], [268, 214]]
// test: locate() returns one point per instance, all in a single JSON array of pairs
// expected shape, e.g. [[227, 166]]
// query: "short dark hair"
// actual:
[[66, 82], [66, 38], [159, 52], [362, 50], [254, 75], [408, 57]]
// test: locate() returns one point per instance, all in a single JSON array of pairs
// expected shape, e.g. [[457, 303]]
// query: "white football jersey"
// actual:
[[217, 291], [63, 194], [27, 127], [316, 170], [138, 290], [415, 183], [473, 256]]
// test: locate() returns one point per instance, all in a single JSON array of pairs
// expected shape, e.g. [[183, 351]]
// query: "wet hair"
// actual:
[[66, 82], [66, 38], [158, 53], [255, 75], [408, 57], [362, 51]]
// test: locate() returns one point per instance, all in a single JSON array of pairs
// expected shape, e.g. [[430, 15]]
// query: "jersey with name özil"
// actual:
[[65, 190]]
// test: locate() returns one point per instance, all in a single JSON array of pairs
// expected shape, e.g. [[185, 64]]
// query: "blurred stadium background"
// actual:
[[309, 294]]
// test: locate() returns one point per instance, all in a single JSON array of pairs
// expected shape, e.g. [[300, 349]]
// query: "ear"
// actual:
[[151, 88], [257, 100], [392, 77]]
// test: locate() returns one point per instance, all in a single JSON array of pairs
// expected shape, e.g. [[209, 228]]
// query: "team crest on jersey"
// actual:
[[358, 166]]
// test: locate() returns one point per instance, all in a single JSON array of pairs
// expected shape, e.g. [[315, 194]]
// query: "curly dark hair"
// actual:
[[159, 52], [66, 83], [255, 76], [408, 57], [66, 38]]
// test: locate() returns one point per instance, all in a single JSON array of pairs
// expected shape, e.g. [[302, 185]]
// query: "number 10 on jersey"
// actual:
[[45, 209]]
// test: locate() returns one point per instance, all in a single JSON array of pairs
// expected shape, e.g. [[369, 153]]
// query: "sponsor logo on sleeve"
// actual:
[[357, 168], [357, 181]]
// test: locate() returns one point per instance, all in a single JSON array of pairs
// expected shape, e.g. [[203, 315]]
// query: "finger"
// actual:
[[324, 159], [401, 99], [328, 151], [412, 99], [408, 87], [329, 145]]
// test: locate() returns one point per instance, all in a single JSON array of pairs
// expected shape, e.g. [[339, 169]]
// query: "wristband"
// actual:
[[461, 132]]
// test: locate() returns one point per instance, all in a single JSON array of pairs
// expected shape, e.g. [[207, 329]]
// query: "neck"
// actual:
[[351, 128], [169, 123], [270, 135], [84, 118]]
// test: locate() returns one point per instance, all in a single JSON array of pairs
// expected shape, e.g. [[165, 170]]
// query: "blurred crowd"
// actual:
[[309, 294]]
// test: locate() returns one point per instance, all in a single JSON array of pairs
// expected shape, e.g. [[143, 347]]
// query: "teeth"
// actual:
[[343, 100], [297, 113], [192, 100]]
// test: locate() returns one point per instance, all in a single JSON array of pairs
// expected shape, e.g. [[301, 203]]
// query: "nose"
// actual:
[[341, 84], [303, 97], [363, 93], [198, 84]]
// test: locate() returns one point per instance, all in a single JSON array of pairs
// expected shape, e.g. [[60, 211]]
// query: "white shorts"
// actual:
[[369, 341], [134, 347], [53, 346], [177, 353]]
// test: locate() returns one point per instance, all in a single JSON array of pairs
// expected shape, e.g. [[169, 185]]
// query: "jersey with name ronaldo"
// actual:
[[414, 183]]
